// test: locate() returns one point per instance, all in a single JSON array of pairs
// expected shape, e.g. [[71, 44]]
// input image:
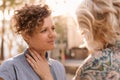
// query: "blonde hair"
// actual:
[[101, 19]]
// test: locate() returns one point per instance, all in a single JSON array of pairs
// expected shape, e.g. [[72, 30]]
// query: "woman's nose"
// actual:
[[52, 34]]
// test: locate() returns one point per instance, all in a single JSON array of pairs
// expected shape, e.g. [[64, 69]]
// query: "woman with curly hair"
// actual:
[[34, 23], [99, 23]]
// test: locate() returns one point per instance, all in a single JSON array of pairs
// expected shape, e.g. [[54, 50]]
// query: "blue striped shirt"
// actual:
[[17, 68]]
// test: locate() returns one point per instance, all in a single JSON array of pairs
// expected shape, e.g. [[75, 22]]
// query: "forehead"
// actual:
[[47, 22]]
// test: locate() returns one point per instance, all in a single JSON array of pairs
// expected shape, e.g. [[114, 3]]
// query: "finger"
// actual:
[[31, 60], [36, 54], [1, 78], [31, 63], [32, 52]]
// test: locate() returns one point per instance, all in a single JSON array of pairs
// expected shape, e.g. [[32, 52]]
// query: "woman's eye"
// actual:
[[53, 28], [44, 30]]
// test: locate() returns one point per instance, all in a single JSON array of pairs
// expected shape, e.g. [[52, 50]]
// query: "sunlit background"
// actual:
[[68, 35], [68, 40]]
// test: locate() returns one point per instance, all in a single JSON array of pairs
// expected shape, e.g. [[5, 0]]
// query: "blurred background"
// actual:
[[69, 49]]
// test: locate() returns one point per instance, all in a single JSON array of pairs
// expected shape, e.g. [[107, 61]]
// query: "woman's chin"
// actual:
[[51, 48]]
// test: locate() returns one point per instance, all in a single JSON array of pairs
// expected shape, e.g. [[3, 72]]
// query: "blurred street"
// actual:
[[71, 67], [69, 76]]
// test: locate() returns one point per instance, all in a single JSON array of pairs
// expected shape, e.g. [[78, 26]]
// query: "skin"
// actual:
[[43, 39], [1, 78]]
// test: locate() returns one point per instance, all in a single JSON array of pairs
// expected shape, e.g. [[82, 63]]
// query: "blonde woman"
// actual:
[[99, 22]]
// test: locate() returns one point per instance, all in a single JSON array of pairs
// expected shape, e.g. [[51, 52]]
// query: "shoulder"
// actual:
[[98, 59], [8, 63], [55, 62], [104, 61], [58, 68], [6, 69]]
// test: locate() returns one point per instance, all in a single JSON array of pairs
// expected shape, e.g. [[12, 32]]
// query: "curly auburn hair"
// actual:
[[101, 20], [30, 17]]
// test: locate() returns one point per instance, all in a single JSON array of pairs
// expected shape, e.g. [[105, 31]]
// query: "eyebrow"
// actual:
[[47, 26]]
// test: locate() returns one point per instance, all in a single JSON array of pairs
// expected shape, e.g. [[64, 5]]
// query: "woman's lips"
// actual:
[[51, 42]]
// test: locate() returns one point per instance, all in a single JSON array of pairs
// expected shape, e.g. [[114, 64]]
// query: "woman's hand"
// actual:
[[1, 78], [39, 65]]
